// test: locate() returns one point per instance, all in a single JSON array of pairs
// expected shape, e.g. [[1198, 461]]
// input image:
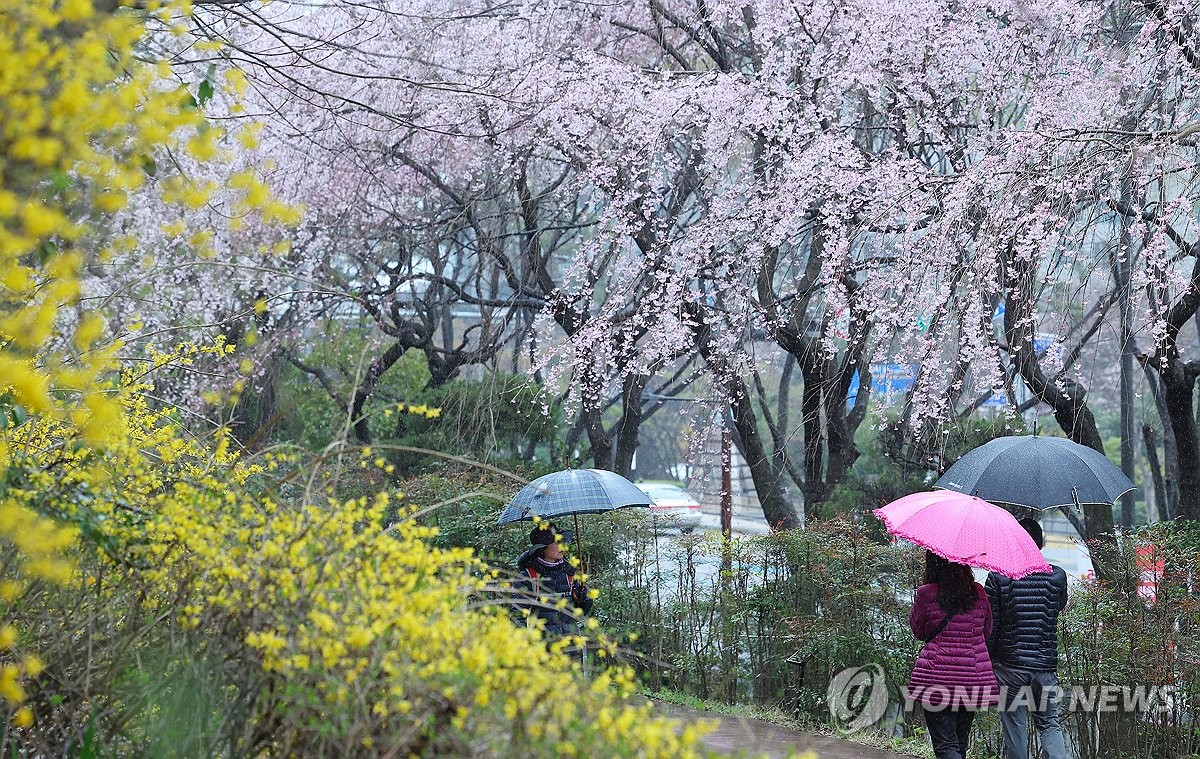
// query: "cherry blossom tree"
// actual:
[[1093, 185], [857, 180], [794, 167]]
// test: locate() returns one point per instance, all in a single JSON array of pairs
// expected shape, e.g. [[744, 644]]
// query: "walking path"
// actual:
[[756, 737]]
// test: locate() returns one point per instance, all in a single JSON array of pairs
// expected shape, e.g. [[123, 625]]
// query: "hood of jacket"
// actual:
[[530, 559], [526, 559]]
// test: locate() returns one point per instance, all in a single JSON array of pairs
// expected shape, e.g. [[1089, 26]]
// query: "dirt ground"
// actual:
[[757, 737]]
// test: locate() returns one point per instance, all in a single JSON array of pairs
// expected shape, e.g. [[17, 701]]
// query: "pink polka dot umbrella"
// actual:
[[966, 529]]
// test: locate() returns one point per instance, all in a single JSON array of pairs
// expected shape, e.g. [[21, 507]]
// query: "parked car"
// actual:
[[674, 505]]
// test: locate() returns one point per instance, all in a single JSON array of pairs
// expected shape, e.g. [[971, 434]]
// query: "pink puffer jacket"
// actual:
[[954, 667]]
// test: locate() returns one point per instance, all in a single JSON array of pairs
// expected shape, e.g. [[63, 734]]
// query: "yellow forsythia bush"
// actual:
[[78, 116], [363, 639], [149, 577]]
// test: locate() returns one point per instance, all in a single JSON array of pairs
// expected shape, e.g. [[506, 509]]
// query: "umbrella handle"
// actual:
[[578, 550]]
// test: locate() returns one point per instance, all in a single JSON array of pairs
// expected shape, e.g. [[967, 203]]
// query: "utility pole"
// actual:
[[727, 626], [726, 490]]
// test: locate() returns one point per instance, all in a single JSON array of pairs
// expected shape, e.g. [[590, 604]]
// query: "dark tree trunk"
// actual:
[[768, 485], [599, 438], [783, 406], [842, 451], [777, 509], [829, 427], [814, 440], [1156, 475], [841, 425], [365, 387], [1178, 385], [570, 441], [777, 428], [631, 420], [257, 411], [1169, 498]]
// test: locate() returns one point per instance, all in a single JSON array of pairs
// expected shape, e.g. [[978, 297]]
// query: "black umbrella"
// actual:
[[1038, 472]]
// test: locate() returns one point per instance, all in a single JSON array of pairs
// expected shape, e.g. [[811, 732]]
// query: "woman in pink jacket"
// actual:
[[953, 674]]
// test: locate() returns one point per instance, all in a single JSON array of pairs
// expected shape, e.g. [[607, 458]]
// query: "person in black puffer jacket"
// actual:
[[1024, 649], [546, 574]]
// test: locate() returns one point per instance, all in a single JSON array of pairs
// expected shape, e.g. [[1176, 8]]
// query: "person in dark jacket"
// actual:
[[1024, 648], [952, 676], [547, 574]]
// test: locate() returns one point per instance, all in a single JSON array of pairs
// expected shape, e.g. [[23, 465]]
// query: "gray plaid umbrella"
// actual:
[[1038, 472], [573, 491]]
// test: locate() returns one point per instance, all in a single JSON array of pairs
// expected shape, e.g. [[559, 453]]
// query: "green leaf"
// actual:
[[88, 749], [46, 251], [59, 181], [204, 92], [150, 166]]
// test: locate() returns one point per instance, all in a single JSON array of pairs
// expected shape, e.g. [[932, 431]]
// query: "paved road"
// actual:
[[758, 737], [706, 561], [741, 525]]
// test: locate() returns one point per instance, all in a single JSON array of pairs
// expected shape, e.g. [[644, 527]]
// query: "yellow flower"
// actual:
[[32, 665], [75, 11], [23, 717], [202, 145], [41, 221], [359, 638]]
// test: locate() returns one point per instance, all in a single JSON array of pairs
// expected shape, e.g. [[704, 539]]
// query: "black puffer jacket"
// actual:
[[1025, 619], [551, 583]]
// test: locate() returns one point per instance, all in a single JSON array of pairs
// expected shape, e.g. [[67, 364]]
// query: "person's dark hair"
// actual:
[[542, 536], [954, 581], [1035, 531]]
